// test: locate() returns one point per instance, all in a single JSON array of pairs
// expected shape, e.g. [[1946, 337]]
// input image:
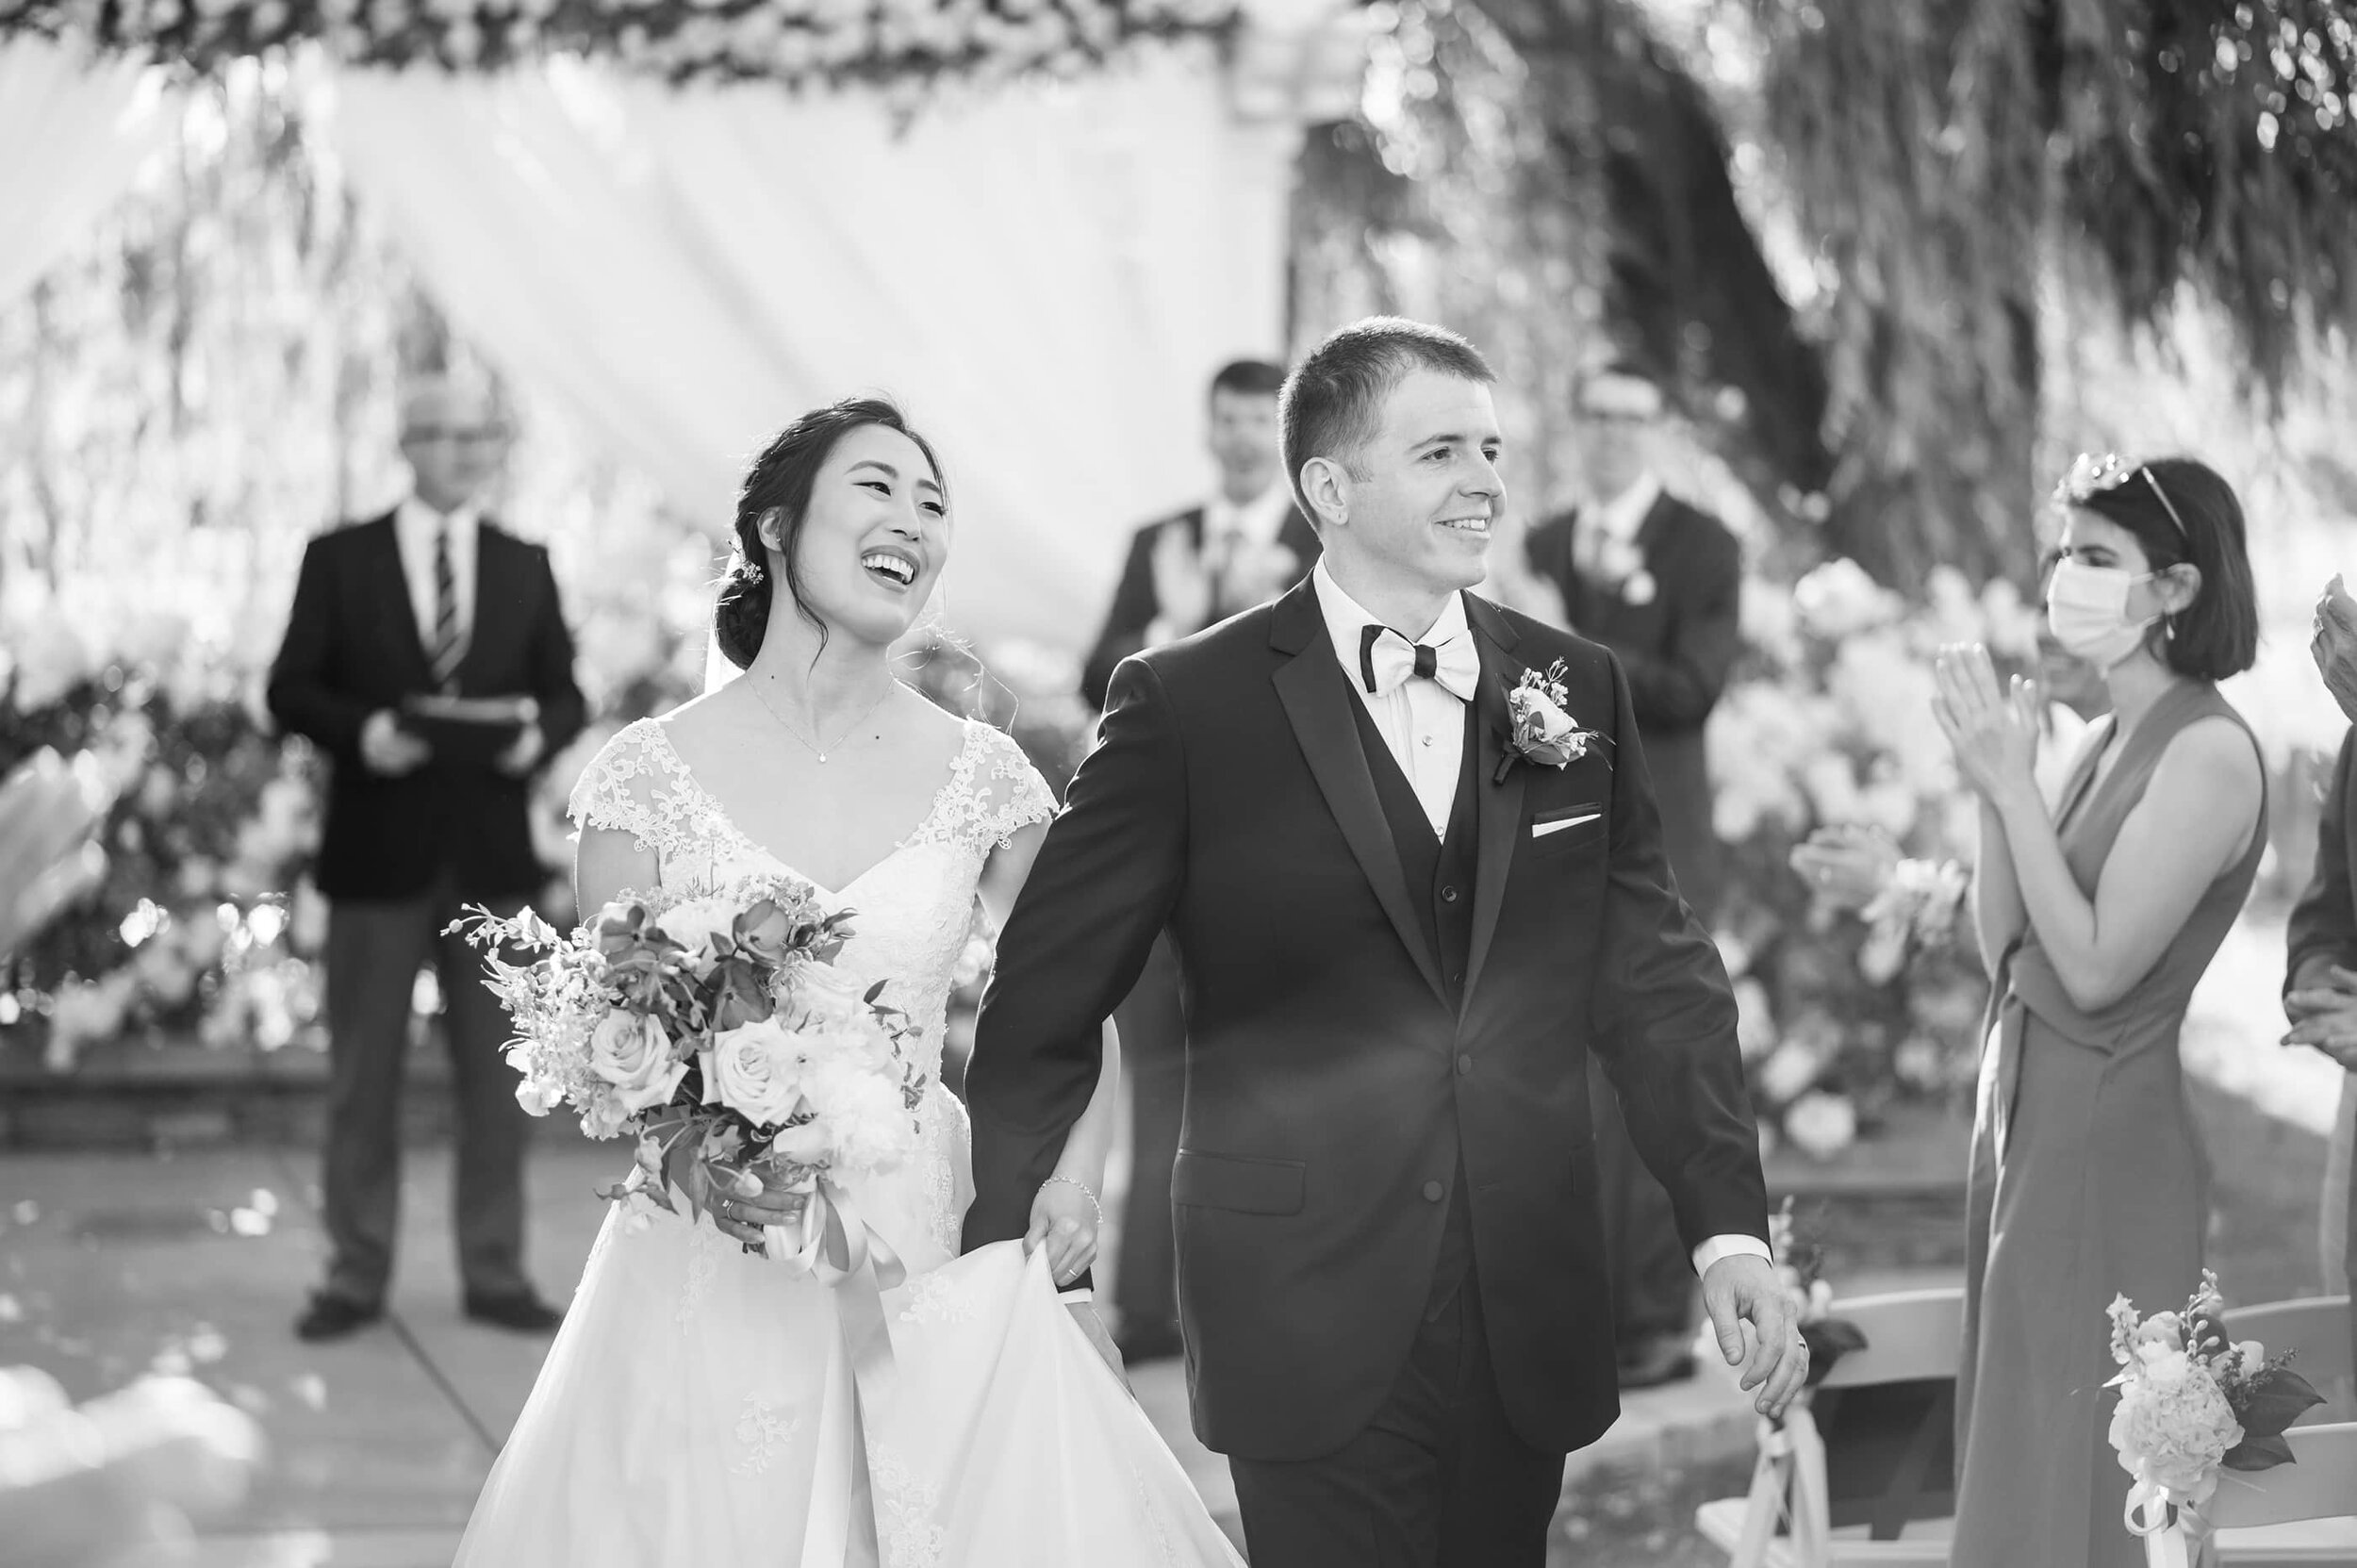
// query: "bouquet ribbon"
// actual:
[[839, 1250], [2171, 1529]]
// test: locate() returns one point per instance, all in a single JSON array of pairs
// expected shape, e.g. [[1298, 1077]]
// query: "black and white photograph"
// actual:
[[1177, 783]]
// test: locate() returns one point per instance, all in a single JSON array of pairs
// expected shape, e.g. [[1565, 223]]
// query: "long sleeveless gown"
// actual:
[[2086, 1179], [698, 1405]]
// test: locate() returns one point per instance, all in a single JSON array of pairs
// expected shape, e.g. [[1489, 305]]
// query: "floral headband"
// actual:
[[2091, 476]]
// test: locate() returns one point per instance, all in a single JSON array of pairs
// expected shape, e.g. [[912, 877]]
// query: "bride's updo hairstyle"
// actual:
[[783, 477]]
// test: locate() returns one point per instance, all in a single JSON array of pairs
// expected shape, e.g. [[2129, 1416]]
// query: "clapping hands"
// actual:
[[1992, 725], [1847, 865], [2334, 645]]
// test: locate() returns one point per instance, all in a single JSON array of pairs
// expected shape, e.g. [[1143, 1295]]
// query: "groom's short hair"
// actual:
[[1332, 403]]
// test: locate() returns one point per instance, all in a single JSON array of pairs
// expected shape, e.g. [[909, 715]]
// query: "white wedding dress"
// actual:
[[698, 1406]]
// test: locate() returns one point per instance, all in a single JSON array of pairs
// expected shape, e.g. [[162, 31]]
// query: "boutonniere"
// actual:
[[1545, 731]]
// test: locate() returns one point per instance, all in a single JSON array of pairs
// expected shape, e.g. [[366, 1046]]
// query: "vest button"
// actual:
[[1464, 1064], [1434, 1191], [1448, 895]]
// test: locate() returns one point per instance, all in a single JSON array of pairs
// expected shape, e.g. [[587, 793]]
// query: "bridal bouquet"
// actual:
[[2193, 1405], [719, 1023]]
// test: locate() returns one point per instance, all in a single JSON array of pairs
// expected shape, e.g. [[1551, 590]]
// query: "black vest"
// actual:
[[1442, 868]]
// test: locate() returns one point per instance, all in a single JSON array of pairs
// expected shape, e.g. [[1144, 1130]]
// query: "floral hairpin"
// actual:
[[2091, 476]]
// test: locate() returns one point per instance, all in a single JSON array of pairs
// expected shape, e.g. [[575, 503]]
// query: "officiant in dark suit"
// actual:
[[400, 624], [1659, 582], [1244, 546]]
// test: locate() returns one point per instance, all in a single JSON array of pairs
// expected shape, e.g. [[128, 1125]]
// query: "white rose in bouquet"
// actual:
[[868, 1123], [631, 1052], [755, 1071]]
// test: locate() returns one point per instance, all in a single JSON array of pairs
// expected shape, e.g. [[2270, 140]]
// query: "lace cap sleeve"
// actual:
[[1009, 793], [622, 788]]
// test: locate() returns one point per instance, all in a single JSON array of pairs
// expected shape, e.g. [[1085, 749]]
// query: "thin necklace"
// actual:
[[812, 746]]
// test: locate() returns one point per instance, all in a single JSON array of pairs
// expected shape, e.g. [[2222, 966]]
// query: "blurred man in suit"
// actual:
[[2320, 979], [1659, 582], [1244, 546], [432, 598]]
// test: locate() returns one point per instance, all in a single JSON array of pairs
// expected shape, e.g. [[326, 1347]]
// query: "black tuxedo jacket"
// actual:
[[352, 647], [1136, 606], [1678, 648], [2323, 929], [1334, 1095]]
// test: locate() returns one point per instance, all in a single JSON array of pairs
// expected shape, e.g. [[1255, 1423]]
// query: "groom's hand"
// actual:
[[1759, 1330]]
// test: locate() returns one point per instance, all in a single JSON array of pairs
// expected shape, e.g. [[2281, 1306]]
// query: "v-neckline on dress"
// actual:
[[960, 766]]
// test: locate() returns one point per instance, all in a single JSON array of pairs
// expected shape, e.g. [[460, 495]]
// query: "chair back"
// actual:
[[2324, 1333], [2320, 1484]]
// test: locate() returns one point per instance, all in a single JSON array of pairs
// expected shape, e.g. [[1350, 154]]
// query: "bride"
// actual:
[[700, 1403]]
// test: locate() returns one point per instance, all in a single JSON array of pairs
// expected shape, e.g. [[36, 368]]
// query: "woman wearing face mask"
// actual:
[[2096, 920]]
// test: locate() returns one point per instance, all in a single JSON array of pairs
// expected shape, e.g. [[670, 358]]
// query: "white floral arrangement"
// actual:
[[2193, 1406], [1828, 723], [795, 41], [718, 1026]]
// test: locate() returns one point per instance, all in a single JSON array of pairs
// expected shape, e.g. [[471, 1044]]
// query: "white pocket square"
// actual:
[[1540, 830]]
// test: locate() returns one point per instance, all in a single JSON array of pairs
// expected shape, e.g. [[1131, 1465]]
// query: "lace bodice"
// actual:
[[912, 911]]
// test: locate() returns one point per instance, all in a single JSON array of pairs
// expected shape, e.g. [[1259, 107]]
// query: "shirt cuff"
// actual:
[[1720, 1248], [1080, 1298]]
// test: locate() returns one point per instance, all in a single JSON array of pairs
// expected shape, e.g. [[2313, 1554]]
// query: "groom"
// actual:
[[1400, 938]]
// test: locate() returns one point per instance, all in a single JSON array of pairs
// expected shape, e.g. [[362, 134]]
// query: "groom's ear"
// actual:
[[1325, 486]]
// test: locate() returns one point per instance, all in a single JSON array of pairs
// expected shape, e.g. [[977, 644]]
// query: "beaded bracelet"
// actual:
[[1076, 1182]]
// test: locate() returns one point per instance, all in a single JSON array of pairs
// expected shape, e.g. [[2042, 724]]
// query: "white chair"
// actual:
[[2318, 1327], [1786, 1520], [2297, 1516], [2302, 1514]]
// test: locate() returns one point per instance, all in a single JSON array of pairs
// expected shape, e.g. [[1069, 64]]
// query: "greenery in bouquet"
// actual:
[[2192, 1403], [1829, 723], [715, 1031]]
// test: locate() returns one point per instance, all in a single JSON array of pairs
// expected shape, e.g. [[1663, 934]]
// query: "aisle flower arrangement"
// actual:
[[1829, 722], [204, 925], [2194, 1405]]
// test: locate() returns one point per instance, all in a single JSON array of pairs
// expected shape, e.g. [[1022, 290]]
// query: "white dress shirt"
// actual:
[[1424, 726], [415, 526], [1421, 721]]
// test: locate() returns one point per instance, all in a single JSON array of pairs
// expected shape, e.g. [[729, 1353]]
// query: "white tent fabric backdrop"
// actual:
[[77, 131], [1045, 275]]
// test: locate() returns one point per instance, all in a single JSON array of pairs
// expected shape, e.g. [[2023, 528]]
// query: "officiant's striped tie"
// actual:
[[450, 643]]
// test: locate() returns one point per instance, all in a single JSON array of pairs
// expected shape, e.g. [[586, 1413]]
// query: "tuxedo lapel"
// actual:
[[1501, 802], [1313, 687]]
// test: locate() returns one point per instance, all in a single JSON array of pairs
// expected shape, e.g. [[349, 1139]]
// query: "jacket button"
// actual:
[[1464, 1064], [1434, 1191], [1448, 895]]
